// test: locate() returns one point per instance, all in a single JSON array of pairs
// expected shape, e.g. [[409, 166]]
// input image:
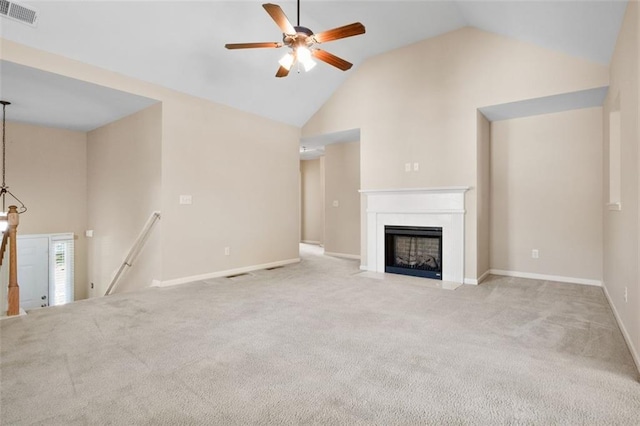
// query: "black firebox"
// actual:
[[411, 250]]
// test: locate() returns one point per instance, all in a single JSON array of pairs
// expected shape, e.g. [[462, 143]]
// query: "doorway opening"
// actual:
[[45, 270]]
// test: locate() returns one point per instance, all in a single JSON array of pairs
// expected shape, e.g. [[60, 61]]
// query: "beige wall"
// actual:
[[212, 153], [123, 180], [342, 182], [622, 228], [312, 195], [419, 103], [242, 172], [47, 169], [484, 195], [546, 194]]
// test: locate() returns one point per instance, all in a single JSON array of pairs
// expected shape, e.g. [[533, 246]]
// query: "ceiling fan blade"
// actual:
[[341, 32], [331, 59], [282, 72], [279, 17], [271, 44]]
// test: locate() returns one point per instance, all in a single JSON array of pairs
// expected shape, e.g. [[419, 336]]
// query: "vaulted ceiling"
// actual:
[[180, 44]]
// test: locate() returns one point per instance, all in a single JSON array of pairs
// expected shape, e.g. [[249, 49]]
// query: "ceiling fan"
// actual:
[[302, 42]]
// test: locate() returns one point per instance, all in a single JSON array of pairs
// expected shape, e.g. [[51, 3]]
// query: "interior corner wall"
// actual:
[[242, 171], [418, 104], [312, 196], [484, 195], [124, 178], [622, 227], [546, 194], [342, 182], [46, 169]]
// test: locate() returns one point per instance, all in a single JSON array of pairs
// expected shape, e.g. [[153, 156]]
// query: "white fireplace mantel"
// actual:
[[433, 207]]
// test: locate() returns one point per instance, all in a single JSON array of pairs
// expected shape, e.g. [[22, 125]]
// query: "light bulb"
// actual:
[[309, 64], [304, 57], [287, 61], [303, 54]]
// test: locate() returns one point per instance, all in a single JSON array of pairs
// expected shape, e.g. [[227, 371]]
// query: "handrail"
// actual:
[[135, 249], [13, 307]]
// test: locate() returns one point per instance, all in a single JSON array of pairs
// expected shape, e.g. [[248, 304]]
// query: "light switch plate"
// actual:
[[407, 167], [185, 199]]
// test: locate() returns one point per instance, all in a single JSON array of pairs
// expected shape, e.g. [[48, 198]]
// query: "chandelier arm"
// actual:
[[22, 208]]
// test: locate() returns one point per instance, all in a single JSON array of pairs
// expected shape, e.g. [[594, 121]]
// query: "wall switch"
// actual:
[[626, 295], [336, 203], [185, 199], [227, 251], [535, 253], [407, 167], [416, 167], [88, 233]]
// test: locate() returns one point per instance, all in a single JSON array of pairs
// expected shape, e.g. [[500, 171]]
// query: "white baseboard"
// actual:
[[474, 281], [315, 243], [226, 273], [343, 255], [627, 338], [558, 278]]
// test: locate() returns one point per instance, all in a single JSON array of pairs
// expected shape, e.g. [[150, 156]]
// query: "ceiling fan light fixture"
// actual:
[[304, 57], [308, 64], [287, 61]]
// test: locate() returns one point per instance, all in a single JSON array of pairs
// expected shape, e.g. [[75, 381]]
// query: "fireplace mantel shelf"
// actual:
[[441, 189]]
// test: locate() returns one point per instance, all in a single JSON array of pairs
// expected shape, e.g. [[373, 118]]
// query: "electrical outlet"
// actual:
[[626, 295], [407, 167], [535, 253], [336, 203], [227, 251], [416, 167]]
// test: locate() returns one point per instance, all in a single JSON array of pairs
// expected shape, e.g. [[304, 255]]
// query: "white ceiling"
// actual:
[[52, 100], [180, 44]]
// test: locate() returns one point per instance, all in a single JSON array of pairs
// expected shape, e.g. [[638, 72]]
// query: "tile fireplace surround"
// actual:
[[434, 207]]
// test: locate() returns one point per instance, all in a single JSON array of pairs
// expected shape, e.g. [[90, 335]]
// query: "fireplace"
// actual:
[[441, 207], [414, 250]]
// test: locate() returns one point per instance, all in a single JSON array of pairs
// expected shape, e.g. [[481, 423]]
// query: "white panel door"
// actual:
[[33, 272]]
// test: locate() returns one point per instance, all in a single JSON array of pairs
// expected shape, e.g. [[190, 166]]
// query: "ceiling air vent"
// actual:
[[18, 12]]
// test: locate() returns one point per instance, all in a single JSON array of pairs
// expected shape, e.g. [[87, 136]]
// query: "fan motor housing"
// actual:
[[301, 36]]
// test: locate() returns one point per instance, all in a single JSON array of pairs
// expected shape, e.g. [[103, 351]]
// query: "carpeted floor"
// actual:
[[320, 343]]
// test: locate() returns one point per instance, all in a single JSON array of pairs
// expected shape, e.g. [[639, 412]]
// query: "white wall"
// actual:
[[546, 194], [123, 190]]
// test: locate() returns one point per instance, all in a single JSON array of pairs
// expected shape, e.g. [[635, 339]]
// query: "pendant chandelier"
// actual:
[[4, 189]]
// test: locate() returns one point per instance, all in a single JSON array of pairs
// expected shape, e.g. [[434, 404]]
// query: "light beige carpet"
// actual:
[[318, 343]]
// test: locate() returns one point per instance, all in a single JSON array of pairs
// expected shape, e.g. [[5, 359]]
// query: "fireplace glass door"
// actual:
[[414, 251]]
